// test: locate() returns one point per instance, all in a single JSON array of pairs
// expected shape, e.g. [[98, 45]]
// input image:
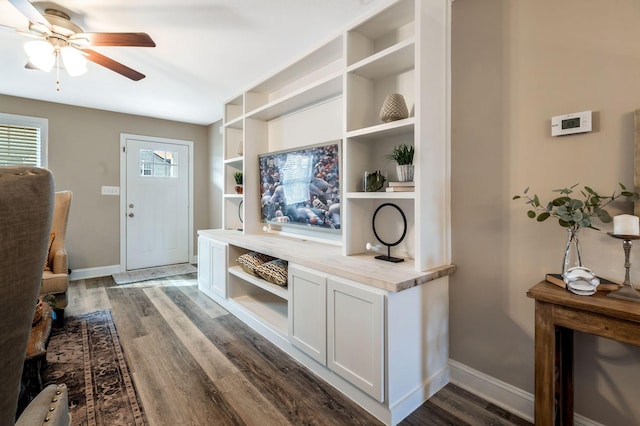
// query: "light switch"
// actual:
[[110, 190]]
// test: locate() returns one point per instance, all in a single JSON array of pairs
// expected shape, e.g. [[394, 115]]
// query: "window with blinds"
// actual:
[[19, 145], [22, 140]]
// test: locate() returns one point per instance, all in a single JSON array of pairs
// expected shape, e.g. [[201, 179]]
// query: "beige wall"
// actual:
[[84, 154], [514, 65]]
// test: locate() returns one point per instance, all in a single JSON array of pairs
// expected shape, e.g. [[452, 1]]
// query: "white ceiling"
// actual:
[[207, 51]]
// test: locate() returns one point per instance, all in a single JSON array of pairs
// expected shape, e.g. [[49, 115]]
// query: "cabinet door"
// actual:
[[219, 268], [355, 321], [204, 264], [308, 312]]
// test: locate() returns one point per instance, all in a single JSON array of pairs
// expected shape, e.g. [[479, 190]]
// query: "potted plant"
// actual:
[[574, 214], [403, 155], [237, 176]]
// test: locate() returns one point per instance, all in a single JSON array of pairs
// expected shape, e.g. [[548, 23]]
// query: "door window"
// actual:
[[155, 163]]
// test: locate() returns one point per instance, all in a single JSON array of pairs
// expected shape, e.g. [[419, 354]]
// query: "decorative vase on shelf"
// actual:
[[572, 257], [374, 181], [394, 108], [238, 189], [405, 172]]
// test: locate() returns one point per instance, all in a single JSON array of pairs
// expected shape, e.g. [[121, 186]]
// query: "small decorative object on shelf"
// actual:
[[581, 280], [401, 187], [374, 181], [573, 214], [403, 155], [237, 176], [388, 256], [626, 228], [394, 108]]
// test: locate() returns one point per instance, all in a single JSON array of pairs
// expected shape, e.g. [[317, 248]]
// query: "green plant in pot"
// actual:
[[403, 155], [574, 213], [237, 176]]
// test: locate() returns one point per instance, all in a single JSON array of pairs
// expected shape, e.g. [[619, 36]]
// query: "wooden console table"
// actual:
[[558, 313]]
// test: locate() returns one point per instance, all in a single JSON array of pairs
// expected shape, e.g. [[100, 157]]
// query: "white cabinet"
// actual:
[[204, 264], [355, 335], [340, 324], [308, 312], [212, 267], [219, 268]]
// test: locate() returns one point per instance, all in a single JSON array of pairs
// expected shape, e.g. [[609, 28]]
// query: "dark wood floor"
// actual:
[[194, 363]]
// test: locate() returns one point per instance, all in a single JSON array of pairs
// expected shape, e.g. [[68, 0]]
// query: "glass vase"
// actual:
[[572, 257]]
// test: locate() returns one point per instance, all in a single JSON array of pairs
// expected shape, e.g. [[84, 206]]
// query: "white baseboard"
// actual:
[[502, 394], [100, 271]]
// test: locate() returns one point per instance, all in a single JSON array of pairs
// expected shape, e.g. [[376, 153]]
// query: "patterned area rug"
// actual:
[[87, 356], [153, 273]]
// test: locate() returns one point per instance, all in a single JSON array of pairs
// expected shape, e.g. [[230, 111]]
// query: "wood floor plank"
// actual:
[[249, 403], [169, 374], [85, 297], [205, 353], [204, 302], [466, 410]]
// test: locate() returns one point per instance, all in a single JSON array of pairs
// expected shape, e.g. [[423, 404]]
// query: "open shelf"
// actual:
[[235, 124], [281, 292], [393, 60], [381, 195], [269, 308], [234, 161], [389, 27], [325, 89], [385, 130]]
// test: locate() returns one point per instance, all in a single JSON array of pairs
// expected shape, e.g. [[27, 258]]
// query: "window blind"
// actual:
[[19, 145]]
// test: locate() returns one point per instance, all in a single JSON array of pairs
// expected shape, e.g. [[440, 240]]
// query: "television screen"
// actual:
[[301, 187]]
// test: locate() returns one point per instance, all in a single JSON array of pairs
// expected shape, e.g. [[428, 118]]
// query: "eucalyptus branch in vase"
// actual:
[[574, 212]]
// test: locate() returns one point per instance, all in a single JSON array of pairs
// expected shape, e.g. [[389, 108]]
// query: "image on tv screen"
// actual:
[[301, 187]]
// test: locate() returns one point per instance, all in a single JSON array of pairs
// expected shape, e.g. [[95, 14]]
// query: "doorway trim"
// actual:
[[123, 192]]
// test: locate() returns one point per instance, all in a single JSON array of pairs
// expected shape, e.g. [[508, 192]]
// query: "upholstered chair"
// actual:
[[26, 203], [55, 280]]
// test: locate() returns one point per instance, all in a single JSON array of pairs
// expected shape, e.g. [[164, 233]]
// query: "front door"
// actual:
[[157, 203]]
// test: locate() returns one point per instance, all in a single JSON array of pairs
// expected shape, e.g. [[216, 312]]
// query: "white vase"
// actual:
[[405, 172]]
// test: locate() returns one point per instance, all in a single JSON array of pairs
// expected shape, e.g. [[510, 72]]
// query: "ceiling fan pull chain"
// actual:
[[57, 71]]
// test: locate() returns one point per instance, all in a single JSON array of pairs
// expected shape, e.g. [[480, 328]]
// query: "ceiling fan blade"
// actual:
[[30, 66], [31, 13], [8, 28], [109, 63], [116, 39]]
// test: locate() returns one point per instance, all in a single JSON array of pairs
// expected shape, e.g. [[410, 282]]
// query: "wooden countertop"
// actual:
[[328, 258]]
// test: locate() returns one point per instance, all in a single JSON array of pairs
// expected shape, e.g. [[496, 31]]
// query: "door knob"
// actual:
[[131, 205], [130, 214]]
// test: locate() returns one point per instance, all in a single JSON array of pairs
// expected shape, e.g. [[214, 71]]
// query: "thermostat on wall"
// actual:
[[568, 124]]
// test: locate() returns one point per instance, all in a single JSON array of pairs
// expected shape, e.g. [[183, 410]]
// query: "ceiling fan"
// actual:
[[58, 36]]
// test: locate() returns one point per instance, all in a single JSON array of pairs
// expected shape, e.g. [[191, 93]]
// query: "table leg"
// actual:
[[564, 378], [544, 364]]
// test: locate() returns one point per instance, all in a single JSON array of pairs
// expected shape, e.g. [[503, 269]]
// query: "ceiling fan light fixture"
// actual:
[[74, 62], [41, 54]]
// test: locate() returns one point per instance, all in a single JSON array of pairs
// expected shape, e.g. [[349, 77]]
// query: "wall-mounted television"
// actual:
[[301, 187]]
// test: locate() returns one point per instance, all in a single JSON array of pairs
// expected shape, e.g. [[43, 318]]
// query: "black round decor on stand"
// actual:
[[240, 213], [388, 256]]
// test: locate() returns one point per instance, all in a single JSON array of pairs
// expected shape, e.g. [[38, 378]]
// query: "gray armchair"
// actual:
[[26, 204]]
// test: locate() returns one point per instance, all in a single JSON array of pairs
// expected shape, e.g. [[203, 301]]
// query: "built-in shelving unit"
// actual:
[[335, 93], [337, 90]]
